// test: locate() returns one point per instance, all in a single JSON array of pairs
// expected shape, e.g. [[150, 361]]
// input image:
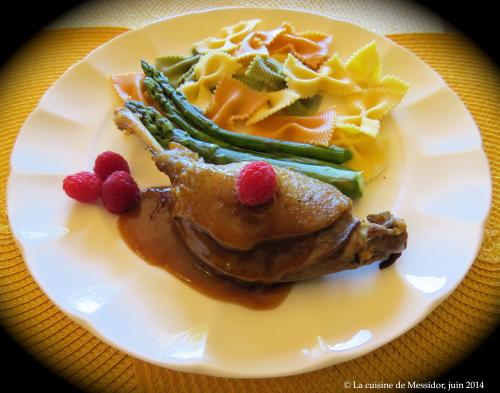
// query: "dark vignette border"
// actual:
[[479, 20]]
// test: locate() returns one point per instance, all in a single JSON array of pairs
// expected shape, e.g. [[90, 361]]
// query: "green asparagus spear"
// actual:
[[349, 182], [171, 112], [151, 113], [159, 86]]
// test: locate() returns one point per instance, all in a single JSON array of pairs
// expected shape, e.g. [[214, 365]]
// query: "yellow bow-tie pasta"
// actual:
[[370, 155], [232, 102], [256, 43], [231, 37], [208, 72], [364, 65], [362, 111], [332, 78], [213, 65], [197, 94], [276, 100]]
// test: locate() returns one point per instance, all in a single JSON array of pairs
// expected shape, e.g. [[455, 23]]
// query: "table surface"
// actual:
[[444, 338], [380, 16]]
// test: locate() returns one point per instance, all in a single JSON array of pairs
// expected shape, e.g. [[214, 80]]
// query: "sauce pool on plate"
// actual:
[[149, 231]]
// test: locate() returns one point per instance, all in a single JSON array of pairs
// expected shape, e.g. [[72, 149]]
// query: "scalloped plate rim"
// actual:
[[204, 366]]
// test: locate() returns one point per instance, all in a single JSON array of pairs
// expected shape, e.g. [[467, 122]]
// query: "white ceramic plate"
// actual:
[[437, 179]]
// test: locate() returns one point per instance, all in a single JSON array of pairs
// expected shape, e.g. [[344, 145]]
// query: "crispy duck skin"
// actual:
[[347, 244], [204, 194], [307, 231]]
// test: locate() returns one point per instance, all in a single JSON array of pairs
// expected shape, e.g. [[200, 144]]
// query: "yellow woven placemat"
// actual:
[[441, 340]]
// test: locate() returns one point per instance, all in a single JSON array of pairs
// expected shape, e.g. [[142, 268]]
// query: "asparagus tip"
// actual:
[[145, 65], [347, 155]]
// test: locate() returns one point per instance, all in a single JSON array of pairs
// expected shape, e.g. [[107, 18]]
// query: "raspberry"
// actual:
[[256, 184], [82, 186], [108, 162], [119, 192]]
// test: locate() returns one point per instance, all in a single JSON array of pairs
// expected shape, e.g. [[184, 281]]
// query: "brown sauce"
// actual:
[[148, 231]]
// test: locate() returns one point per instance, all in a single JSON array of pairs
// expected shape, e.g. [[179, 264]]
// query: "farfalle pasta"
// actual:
[[130, 87], [303, 106], [369, 154], [250, 82], [229, 39], [264, 73], [212, 66], [256, 43], [310, 47], [233, 101], [208, 72], [178, 69], [362, 70], [368, 95], [394, 83], [286, 84], [365, 68], [363, 111], [364, 65], [198, 94], [332, 78], [315, 129], [276, 100]]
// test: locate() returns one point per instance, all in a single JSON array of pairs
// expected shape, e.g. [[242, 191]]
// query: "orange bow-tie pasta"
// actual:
[[315, 129], [130, 87], [310, 47], [233, 101], [286, 84]]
